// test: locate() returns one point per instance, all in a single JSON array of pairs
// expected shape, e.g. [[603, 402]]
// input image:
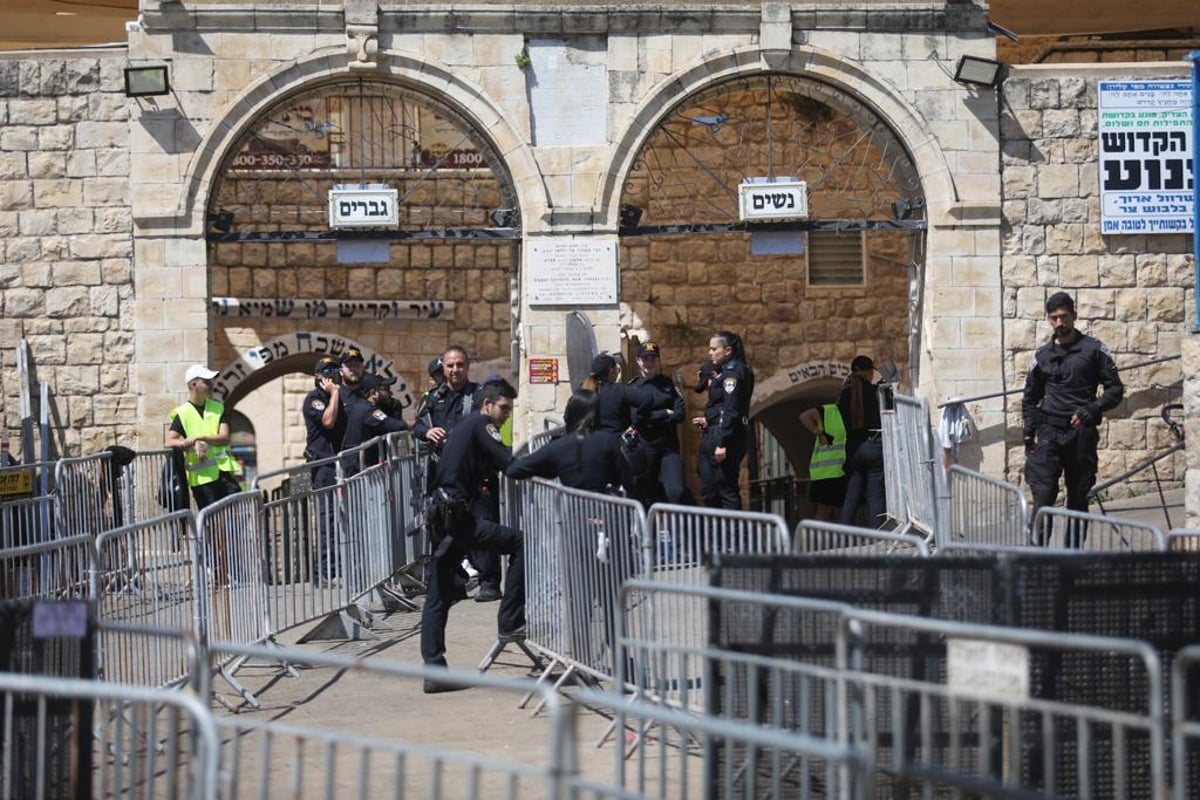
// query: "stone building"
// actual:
[[551, 159]]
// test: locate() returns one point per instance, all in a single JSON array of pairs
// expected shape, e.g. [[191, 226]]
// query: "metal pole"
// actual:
[[1194, 57]]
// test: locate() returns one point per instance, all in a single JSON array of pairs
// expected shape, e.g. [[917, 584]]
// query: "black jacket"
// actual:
[[473, 453], [729, 389], [322, 442], [444, 408], [591, 462], [658, 425], [1062, 382]]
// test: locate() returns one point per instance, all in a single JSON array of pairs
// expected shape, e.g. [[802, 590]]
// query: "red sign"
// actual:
[[543, 370]]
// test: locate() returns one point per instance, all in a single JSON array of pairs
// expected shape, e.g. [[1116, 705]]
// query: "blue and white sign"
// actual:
[[766, 199], [1146, 181], [368, 207]]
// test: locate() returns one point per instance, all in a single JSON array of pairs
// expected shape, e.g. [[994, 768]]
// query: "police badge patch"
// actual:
[[493, 432], [379, 415], [730, 384], [319, 405]]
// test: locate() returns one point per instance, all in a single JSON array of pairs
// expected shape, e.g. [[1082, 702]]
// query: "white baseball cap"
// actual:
[[200, 371]]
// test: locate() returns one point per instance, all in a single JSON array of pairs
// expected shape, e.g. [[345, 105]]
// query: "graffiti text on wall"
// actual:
[[1146, 181], [333, 309]]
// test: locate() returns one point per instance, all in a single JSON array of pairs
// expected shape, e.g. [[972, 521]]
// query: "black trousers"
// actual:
[[324, 477], [1069, 453], [470, 533], [719, 482], [663, 480], [865, 481]]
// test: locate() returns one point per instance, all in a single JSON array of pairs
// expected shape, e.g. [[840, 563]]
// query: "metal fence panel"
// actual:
[[229, 566], [534, 508], [911, 462], [146, 576], [984, 510], [1063, 529], [30, 520], [147, 743], [57, 570], [831, 538]]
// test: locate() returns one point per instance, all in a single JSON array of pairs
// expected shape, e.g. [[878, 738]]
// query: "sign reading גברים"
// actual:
[[1145, 157]]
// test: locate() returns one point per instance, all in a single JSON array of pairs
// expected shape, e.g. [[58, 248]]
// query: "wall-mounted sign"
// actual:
[[766, 199], [1145, 157], [543, 370], [572, 272], [363, 208]]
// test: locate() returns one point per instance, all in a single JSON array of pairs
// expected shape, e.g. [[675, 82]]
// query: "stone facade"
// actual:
[[108, 269], [1134, 293]]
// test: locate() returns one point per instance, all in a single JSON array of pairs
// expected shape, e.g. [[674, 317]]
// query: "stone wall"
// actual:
[[66, 249], [1134, 293]]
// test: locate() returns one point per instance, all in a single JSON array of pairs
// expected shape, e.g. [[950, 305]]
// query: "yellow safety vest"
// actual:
[[828, 459], [220, 457]]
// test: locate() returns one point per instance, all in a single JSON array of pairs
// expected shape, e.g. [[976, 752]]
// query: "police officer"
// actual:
[[384, 416], [200, 427], [1062, 412], [325, 426], [656, 428], [356, 408], [858, 405], [581, 458], [729, 383], [449, 403], [472, 452]]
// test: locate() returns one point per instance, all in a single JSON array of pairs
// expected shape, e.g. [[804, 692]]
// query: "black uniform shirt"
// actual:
[[444, 408], [872, 422], [473, 452], [728, 406], [657, 426], [322, 442], [591, 462], [357, 409], [1062, 382], [616, 405], [378, 422]]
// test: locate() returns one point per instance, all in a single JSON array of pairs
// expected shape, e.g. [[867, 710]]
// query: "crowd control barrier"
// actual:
[[147, 743], [912, 464], [146, 575], [984, 510], [1063, 529], [831, 538]]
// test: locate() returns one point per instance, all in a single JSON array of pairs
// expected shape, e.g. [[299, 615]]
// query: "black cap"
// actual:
[[372, 381], [435, 368], [702, 376], [601, 365], [648, 349], [351, 354], [861, 363], [326, 364]]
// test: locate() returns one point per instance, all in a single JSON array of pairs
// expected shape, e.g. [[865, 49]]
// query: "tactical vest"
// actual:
[[220, 457], [828, 459]]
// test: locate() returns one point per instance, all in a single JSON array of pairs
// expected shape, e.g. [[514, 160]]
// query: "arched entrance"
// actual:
[[817, 290], [441, 272]]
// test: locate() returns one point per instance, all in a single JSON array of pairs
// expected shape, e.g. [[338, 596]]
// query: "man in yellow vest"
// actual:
[[826, 468], [200, 428]]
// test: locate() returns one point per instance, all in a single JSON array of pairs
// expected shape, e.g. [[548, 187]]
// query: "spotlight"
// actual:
[[147, 81], [629, 216], [905, 206], [221, 221], [974, 71]]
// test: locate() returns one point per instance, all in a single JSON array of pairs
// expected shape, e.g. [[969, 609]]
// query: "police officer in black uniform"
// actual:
[[449, 403], [384, 416], [325, 426], [1061, 412], [471, 453], [663, 479], [729, 382], [614, 415], [355, 407], [580, 458], [858, 403]]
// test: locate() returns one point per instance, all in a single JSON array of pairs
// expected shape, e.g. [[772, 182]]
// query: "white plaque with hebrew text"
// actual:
[[572, 272]]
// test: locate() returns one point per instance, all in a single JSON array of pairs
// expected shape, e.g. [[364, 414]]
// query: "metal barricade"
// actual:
[[88, 500], [602, 541], [542, 438], [911, 462], [27, 521], [148, 743], [146, 575], [371, 549], [984, 510], [1063, 529], [275, 759], [50, 570], [141, 486], [831, 538], [231, 589], [534, 508], [941, 706], [1185, 724], [1183, 539], [406, 491]]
